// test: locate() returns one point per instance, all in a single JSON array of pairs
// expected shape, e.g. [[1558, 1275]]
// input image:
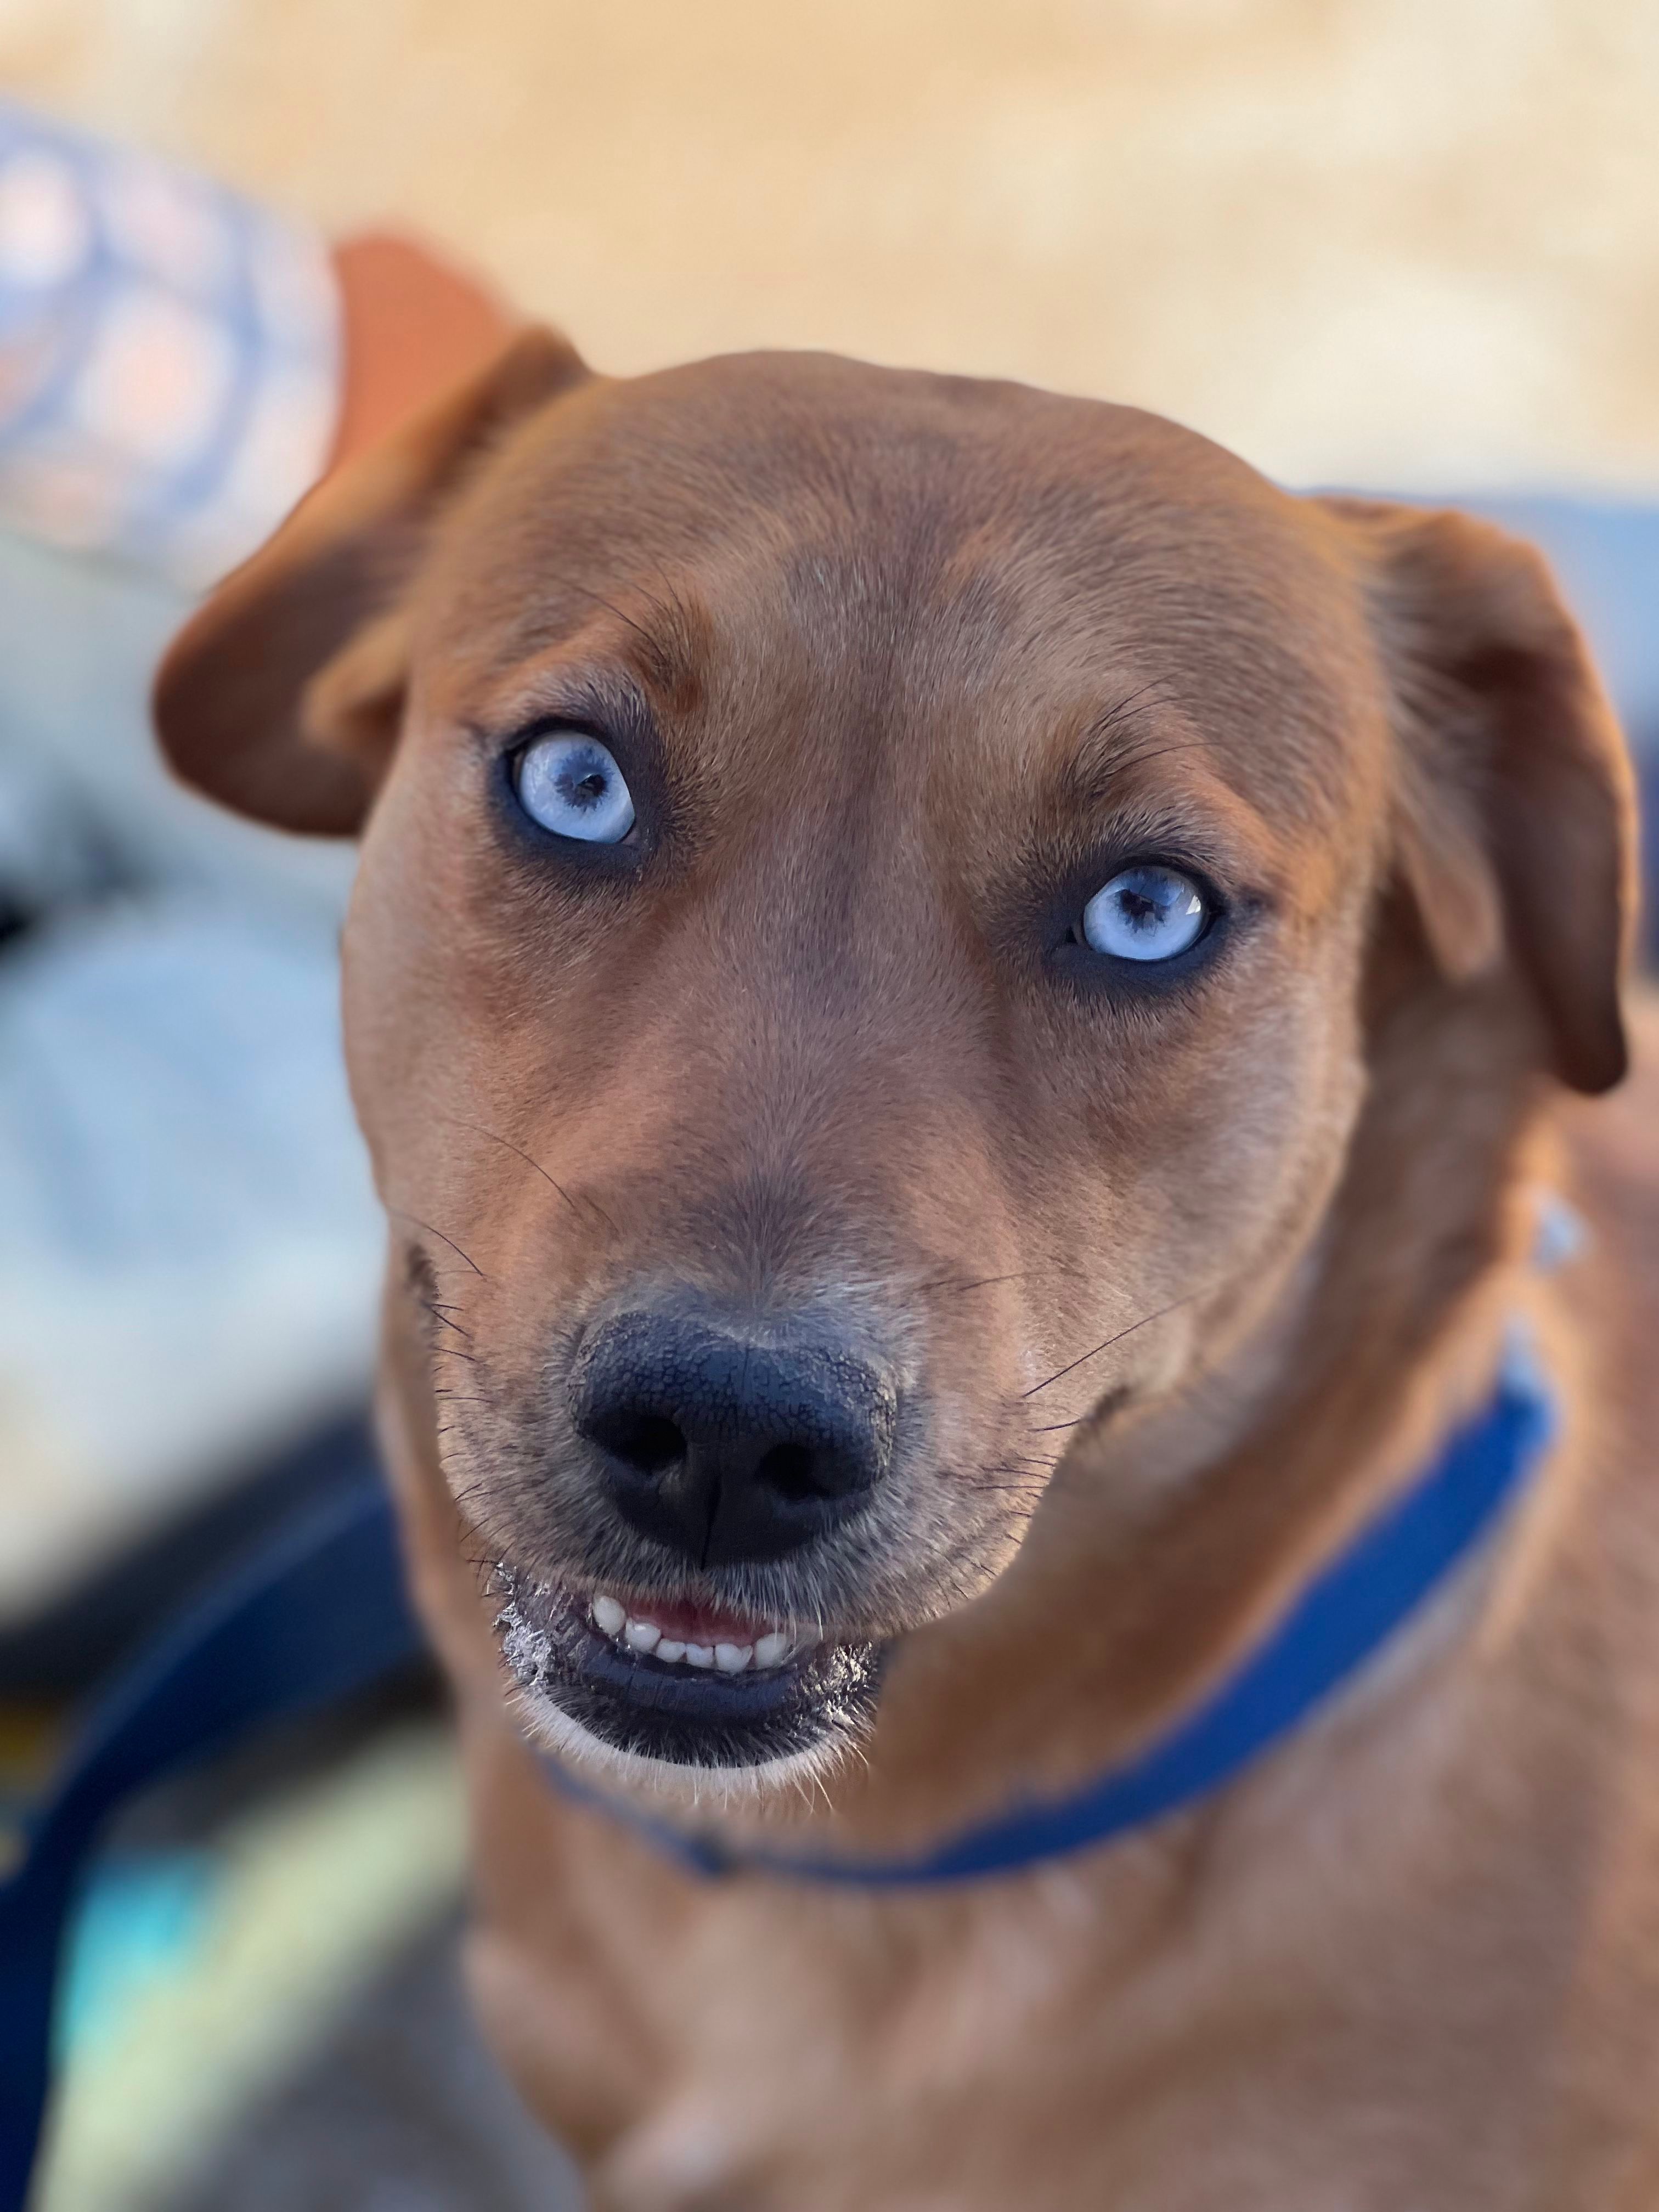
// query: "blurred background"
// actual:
[[1387, 243], [1400, 240]]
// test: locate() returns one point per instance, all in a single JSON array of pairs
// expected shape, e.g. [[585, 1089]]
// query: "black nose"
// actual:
[[725, 1445]]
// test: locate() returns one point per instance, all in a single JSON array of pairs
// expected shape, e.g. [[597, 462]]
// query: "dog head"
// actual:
[[857, 980]]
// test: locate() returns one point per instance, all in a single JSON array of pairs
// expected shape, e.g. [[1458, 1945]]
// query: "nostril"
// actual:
[[645, 1441], [790, 1470], [726, 1442]]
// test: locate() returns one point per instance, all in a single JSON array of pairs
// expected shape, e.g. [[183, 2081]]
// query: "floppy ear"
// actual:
[[1517, 820], [282, 696]]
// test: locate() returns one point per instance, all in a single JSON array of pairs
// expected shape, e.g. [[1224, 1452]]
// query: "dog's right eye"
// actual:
[[1145, 913], [571, 784]]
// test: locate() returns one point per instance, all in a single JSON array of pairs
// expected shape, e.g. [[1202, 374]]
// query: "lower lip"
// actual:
[[684, 1714]]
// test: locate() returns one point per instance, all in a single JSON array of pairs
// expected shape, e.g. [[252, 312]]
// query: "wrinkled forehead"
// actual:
[[904, 554]]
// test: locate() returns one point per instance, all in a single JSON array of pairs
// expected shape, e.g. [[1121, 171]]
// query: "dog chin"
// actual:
[[773, 1712], [685, 1783]]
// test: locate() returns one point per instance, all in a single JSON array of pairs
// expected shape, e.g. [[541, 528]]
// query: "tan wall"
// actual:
[[1407, 239]]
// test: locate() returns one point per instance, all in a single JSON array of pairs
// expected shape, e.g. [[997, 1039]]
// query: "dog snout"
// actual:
[[726, 1445]]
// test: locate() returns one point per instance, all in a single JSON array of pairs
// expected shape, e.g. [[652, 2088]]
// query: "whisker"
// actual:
[[402, 1216], [1150, 753], [1113, 1400], [519, 1153], [1106, 1344], [599, 599], [1137, 702], [950, 1283]]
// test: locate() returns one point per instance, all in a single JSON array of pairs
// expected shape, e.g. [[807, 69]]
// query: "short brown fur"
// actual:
[[1186, 1279]]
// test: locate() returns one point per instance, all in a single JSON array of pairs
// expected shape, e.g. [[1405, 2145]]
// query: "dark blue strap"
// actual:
[[1340, 1620], [318, 1612]]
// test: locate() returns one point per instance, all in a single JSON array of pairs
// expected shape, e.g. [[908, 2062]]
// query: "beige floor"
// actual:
[[1415, 240]]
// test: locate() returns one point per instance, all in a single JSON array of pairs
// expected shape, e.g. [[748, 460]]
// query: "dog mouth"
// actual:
[[678, 1682]]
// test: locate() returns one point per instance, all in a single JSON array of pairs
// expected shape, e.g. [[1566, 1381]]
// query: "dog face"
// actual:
[[856, 981]]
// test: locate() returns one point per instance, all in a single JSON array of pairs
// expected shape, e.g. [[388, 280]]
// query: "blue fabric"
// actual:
[[1342, 1618], [318, 1611], [122, 270]]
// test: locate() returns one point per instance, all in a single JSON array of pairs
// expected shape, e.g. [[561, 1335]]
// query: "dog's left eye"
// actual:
[[571, 784], [1145, 913]]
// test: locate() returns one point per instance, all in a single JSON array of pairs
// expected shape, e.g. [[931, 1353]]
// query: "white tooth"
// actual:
[[644, 1635], [770, 1650], [669, 1651], [699, 1655], [609, 1615], [733, 1658]]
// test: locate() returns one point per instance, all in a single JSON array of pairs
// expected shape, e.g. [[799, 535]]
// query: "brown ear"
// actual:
[[281, 696], [1517, 829]]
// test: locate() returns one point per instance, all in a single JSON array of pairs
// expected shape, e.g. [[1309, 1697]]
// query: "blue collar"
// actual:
[[1378, 1583]]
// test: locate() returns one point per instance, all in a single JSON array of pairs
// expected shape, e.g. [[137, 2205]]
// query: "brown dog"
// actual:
[[962, 1009]]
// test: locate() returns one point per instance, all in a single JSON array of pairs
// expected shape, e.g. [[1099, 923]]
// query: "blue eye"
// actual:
[[1145, 913], [571, 785]]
